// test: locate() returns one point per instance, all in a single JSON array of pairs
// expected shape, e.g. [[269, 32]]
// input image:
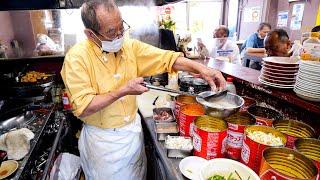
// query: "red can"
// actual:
[[311, 148], [264, 116], [251, 152], [188, 114], [286, 164], [209, 137], [180, 101], [294, 130], [236, 125]]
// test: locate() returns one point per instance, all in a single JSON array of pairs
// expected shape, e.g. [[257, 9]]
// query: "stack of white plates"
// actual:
[[279, 72], [308, 81]]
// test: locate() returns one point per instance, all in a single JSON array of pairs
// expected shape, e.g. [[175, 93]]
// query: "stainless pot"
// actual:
[[216, 109]]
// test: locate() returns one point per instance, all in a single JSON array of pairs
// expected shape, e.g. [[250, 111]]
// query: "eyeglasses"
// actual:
[[113, 34]]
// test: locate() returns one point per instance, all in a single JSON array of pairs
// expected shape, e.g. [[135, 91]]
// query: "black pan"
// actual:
[[11, 88]]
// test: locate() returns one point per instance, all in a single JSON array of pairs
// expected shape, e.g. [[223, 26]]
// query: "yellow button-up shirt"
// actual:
[[88, 71]]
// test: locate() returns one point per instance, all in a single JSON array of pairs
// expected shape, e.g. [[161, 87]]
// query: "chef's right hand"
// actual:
[[134, 87]]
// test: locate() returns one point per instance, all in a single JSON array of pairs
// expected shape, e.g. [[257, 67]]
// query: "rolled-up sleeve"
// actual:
[[77, 81], [152, 60]]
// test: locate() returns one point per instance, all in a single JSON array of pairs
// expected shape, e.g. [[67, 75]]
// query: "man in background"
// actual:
[[277, 43], [221, 47], [254, 43]]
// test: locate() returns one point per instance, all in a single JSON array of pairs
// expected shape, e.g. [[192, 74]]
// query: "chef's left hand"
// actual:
[[214, 79]]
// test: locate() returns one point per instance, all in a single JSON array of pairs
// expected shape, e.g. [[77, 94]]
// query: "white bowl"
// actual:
[[222, 165], [191, 165]]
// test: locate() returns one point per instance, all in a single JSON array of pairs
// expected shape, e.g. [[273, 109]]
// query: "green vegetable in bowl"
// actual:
[[219, 177]]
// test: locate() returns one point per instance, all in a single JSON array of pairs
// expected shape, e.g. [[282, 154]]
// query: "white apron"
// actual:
[[113, 154]]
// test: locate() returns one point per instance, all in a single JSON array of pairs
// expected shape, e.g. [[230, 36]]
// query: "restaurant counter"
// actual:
[[246, 82], [246, 78]]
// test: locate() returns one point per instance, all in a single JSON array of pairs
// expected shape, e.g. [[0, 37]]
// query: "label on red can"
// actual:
[[234, 140], [318, 166], [197, 142], [245, 153], [184, 124], [270, 174], [177, 108], [251, 154], [209, 145]]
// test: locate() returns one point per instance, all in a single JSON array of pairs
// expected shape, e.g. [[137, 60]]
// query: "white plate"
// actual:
[[307, 88], [311, 63], [8, 168], [307, 97], [277, 77], [308, 91], [275, 85], [304, 76], [190, 166], [284, 71], [309, 73], [281, 60], [305, 93], [308, 81], [308, 68], [280, 67], [278, 74], [222, 165], [285, 83]]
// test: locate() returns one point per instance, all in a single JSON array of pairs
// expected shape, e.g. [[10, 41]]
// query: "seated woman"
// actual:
[[254, 43], [277, 43], [221, 48], [253, 49]]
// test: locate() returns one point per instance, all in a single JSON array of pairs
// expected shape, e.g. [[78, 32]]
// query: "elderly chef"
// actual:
[[103, 75]]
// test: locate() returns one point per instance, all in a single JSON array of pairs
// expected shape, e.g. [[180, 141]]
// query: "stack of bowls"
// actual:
[[308, 81], [279, 72]]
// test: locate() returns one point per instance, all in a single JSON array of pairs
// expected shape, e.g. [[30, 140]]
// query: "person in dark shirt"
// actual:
[[316, 29], [254, 43], [277, 43]]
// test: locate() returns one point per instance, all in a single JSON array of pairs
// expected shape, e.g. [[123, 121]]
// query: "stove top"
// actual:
[[36, 123]]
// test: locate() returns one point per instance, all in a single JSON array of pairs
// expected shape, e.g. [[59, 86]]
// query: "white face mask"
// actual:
[[112, 46]]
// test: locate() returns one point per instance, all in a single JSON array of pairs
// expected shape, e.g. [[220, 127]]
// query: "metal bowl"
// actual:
[[216, 110]]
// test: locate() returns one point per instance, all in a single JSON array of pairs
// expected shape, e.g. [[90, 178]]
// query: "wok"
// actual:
[[12, 88]]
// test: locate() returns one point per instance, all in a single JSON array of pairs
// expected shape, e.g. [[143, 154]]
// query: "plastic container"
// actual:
[[166, 129], [178, 152], [311, 48], [230, 86]]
